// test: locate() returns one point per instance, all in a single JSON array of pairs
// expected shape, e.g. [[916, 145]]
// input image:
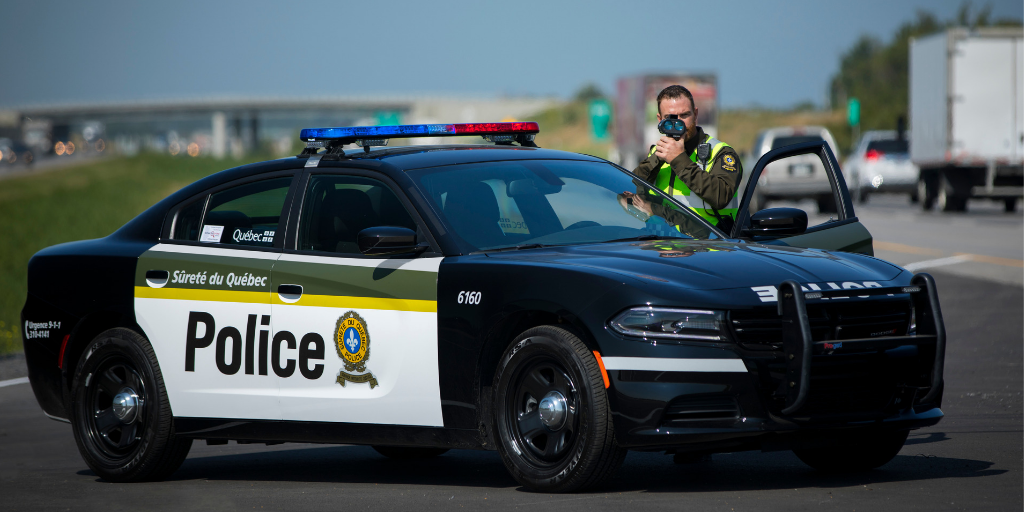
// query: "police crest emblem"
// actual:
[[352, 340]]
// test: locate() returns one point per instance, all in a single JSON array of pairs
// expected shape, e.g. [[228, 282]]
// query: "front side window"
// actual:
[[247, 214], [336, 208], [494, 205]]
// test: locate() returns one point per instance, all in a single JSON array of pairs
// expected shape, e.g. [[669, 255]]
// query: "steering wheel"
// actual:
[[582, 224]]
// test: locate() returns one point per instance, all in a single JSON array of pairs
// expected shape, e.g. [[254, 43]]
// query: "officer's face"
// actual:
[[684, 109]]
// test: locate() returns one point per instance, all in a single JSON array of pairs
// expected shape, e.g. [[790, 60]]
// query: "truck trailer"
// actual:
[[967, 116]]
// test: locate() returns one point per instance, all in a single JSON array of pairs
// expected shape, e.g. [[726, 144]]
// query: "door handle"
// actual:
[[289, 292], [289, 289], [157, 278]]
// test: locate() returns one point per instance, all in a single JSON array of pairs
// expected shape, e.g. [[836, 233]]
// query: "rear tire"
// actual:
[[856, 453], [570, 448], [409, 452], [120, 413]]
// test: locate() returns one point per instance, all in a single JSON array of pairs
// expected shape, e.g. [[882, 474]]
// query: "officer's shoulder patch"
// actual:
[[730, 161]]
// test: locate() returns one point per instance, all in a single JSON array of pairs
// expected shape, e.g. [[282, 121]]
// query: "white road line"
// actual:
[[12, 382], [940, 262]]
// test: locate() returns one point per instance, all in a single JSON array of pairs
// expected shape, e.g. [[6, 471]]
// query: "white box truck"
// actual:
[[967, 116]]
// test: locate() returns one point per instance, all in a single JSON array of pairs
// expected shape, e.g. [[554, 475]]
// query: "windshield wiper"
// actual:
[[515, 247], [643, 237]]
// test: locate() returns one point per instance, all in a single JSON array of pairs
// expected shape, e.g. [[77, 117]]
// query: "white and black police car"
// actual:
[[497, 297]]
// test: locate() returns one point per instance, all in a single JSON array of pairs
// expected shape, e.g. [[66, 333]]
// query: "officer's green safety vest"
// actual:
[[680, 192]]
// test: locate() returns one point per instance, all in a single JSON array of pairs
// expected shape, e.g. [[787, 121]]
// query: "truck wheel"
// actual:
[[409, 452], [948, 201], [1010, 205], [551, 413], [120, 413], [926, 194], [857, 453]]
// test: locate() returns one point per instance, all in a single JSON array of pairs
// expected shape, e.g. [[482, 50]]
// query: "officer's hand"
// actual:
[[668, 148], [639, 202]]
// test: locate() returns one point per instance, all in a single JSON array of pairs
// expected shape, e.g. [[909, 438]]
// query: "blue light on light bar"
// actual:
[[418, 130]]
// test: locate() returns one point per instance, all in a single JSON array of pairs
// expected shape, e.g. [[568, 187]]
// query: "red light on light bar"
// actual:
[[873, 154], [496, 128]]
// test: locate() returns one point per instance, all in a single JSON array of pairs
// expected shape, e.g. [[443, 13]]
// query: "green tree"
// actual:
[[877, 73]]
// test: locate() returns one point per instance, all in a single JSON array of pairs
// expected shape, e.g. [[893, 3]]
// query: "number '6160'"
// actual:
[[469, 297]]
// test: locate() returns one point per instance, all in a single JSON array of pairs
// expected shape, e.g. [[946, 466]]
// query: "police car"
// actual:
[[498, 297]]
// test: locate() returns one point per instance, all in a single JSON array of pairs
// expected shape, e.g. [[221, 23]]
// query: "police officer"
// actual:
[[698, 170]]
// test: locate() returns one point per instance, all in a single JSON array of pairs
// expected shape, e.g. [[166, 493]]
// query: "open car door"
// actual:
[[838, 230]]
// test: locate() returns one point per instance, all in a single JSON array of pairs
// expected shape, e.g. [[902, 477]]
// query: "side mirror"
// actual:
[[776, 222], [388, 240]]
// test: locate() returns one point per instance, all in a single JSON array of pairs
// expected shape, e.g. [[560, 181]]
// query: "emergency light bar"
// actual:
[[496, 132]]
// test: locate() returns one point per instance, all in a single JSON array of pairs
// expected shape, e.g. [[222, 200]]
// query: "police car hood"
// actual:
[[711, 265]]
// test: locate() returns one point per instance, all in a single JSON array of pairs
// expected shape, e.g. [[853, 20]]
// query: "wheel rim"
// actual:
[[543, 412], [115, 402]]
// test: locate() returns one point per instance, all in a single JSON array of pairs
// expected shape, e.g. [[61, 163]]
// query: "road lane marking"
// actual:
[[907, 249], [19, 380], [939, 262], [958, 257], [994, 260]]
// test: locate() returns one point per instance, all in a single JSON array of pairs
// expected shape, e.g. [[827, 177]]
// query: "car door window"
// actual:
[[337, 208], [247, 215], [834, 226]]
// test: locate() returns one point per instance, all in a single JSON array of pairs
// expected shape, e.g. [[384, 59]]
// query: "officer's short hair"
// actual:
[[675, 91]]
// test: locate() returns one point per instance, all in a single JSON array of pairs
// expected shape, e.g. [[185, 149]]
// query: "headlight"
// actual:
[[667, 323]]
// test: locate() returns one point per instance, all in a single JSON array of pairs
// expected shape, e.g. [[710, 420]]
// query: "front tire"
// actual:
[[120, 413], [552, 417], [856, 453]]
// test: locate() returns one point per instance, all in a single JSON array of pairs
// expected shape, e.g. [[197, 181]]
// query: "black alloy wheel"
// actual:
[[551, 413], [116, 401], [543, 410], [120, 413]]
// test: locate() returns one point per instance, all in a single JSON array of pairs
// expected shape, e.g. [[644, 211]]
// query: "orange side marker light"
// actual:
[[604, 373]]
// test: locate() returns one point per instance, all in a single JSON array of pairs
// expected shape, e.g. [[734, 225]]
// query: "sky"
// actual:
[[773, 54]]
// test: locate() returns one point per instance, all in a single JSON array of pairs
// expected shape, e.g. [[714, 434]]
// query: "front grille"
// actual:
[[761, 329], [707, 408], [841, 383]]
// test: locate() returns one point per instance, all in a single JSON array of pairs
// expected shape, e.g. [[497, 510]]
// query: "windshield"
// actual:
[[498, 205]]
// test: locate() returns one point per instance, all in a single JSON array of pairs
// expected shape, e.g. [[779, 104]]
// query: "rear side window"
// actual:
[[794, 139], [248, 214]]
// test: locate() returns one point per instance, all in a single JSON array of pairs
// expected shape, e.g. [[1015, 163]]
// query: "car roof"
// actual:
[[417, 157]]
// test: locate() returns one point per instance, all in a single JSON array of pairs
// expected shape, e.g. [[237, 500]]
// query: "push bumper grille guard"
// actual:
[[799, 347]]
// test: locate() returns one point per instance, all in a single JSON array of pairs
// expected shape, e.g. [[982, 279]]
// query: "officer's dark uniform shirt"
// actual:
[[716, 187]]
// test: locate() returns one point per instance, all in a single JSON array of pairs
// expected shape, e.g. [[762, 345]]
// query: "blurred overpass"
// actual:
[[222, 125]]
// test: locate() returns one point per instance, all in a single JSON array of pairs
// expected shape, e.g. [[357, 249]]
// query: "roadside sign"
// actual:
[[600, 117], [388, 117], [853, 111]]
